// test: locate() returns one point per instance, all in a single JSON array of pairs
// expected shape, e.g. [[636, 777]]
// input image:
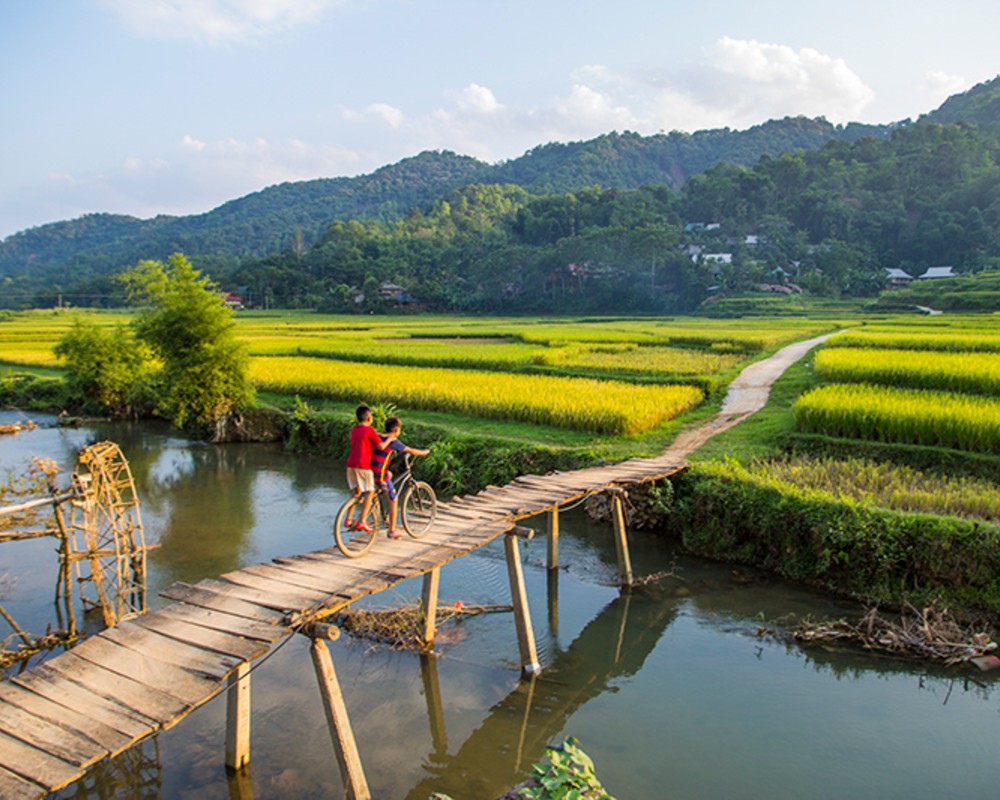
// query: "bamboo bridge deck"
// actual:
[[146, 674]]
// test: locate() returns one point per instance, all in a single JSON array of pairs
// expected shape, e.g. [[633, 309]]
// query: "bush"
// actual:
[[103, 365], [22, 390], [862, 551]]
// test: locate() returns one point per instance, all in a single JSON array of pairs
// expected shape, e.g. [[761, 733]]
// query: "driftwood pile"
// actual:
[[928, 634], [400, 628]]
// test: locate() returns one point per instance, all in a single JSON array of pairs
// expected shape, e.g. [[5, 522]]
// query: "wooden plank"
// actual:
[[141, 697], [273, 572], [58, 740], [264, 598], [104, 736], [222, 601], [320, 568], [283, 595], [35, 765], [50, 685], [243, 649], [227, 623], [155, 645], [14, 786], [190, 688]]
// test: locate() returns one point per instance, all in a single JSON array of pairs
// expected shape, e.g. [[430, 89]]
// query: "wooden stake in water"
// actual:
[[238, 718], [346, 749], [519, 599]]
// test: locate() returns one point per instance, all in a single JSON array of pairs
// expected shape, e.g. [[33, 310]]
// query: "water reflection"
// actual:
[[515, 731]]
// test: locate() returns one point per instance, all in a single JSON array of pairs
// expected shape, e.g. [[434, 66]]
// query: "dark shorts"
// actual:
[[390, 488]]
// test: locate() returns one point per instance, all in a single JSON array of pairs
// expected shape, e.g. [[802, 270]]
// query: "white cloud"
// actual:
[[478, 99], [390, 115], [215, 21], [746, 82], [739, 83], [191, 143], [939, 86], [585, 108]]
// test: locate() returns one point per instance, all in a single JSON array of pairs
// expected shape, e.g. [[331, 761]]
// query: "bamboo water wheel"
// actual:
[[106, 544]]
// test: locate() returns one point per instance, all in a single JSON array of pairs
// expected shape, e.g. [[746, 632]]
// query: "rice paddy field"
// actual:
[[608, 376], [931, 381]]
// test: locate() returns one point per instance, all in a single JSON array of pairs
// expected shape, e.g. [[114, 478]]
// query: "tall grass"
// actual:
[[886, 485]]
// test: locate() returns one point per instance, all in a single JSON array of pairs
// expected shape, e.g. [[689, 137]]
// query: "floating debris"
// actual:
[[927, 634], [16, 427], [400, 628]]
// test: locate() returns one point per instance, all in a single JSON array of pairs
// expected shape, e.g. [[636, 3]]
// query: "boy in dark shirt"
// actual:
[[380, 467]]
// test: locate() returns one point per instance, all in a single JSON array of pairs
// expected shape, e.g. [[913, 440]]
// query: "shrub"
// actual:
[[724, 511]]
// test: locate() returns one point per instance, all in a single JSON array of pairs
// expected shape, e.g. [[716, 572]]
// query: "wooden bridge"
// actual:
[[146, 674]]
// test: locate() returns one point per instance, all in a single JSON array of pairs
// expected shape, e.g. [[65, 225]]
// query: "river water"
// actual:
[[668, 688]]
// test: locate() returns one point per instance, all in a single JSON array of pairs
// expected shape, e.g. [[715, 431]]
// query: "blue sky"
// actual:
[[145, 107]]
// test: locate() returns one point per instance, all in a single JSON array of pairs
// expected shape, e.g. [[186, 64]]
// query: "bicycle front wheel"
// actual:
[[351, 540], [419, 509]]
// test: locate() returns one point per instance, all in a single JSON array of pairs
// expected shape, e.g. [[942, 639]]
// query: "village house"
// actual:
[[393, 292], [933, 273], [898, 277]]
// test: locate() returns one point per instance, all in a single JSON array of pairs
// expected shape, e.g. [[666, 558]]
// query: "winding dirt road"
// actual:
[[747, 394]]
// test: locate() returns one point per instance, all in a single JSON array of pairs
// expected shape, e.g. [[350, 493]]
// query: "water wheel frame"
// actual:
[[106, 543]]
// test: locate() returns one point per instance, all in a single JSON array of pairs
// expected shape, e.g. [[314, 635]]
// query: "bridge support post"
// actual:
[[621, 535], [238, 719], [429, 604], [519, 600], [346, 749], [552, 553]]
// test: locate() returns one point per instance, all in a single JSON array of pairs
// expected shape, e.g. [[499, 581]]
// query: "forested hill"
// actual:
[[978, 106], [291, 216], [267, 221]]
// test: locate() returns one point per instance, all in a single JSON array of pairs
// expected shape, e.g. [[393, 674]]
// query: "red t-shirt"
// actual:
[[363, 439]]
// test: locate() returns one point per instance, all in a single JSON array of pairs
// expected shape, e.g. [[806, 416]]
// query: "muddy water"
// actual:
[[669, 689]]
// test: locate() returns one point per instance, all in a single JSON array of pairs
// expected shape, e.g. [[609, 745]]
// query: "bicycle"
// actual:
[[417, 508]]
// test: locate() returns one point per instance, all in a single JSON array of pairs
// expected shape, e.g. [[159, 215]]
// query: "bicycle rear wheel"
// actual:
[[352, 542], [419, 509]]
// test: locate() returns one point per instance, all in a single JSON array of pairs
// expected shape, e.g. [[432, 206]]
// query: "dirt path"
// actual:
[[747, 394]]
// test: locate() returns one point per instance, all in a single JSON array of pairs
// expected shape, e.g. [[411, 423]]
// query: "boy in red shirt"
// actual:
[[360, 478]]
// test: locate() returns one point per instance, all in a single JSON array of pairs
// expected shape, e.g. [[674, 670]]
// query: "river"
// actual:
[[668, 688]]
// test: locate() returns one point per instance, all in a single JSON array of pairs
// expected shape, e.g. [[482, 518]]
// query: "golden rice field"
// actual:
[[27, 355], [950, 341], [575, 403], [888, 485], [643, 361], [861, 411], [460, 353], [973, 372]]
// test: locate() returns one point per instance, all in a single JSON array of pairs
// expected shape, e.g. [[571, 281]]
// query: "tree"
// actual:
[[190, 329], [104, 365]]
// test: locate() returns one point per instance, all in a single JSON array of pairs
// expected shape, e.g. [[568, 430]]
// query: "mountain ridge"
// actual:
[[269, 219]]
